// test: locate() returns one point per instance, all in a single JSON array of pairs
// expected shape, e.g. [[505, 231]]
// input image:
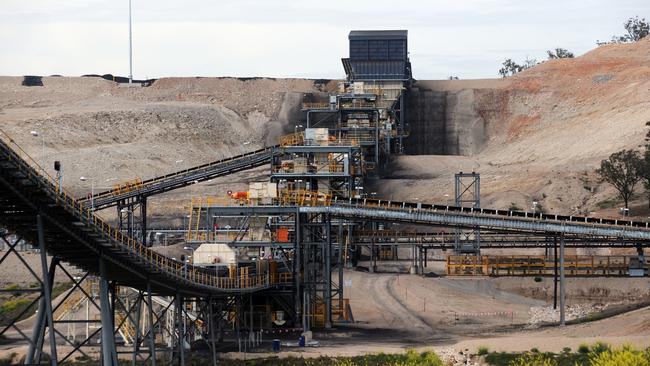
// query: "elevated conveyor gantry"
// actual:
[[183, 178], [72, 232]]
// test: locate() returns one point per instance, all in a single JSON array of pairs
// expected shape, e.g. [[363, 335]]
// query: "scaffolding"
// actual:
[[467, 193]]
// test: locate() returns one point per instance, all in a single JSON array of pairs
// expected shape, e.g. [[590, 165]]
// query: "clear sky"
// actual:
[[282, 38]]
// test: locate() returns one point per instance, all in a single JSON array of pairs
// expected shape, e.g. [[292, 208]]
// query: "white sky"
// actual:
[[283, 38]]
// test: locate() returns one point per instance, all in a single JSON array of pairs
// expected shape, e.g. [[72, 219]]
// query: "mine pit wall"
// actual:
[[579, 289], [443, 122]]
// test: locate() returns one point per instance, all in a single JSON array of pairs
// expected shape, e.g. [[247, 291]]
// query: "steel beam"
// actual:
[[327, 272], [152, 336]]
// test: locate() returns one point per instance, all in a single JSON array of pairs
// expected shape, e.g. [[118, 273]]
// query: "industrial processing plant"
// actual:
[[251, 218]]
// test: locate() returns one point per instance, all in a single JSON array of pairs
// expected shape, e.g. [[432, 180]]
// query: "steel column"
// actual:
[[327, 273], [152, 339], [108, 338], [211, 330], [138, 315], [47, 289], [143, 219], [297, 269], [37, 331], [179, 322], [340, 265]]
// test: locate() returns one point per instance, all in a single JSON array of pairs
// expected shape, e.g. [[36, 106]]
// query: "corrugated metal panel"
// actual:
[[397, 50], [378, 49], [379, 70], [358, 50], [381, 34]]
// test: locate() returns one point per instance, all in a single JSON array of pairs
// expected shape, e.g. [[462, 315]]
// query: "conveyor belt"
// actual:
[[77, 236], [487, 219], [186, 177]]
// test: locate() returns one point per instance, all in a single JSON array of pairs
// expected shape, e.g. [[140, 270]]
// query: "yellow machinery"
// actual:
[[293, 139]]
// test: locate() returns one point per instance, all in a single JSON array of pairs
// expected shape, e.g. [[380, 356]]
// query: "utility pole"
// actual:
[[130, 48]]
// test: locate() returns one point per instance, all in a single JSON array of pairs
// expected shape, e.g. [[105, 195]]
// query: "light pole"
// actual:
[[36, 134], [130, 48], [92, 191]]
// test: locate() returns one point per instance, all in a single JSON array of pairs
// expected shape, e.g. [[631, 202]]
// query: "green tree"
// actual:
[[559, 53], [636, 28], [622, 170], [644, 173], [509, 68], [644, 170]]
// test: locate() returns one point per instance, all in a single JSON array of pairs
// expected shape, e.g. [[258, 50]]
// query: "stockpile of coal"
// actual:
[[30, 80]]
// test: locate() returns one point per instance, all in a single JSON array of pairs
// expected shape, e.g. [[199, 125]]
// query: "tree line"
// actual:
[[636, 28]]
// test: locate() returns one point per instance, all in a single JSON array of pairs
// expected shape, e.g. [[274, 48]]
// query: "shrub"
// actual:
[[534, 350], [534, 359], [482, 351], [514, 207], [12, 305], [583, 348], [599, 347], [624, 356]]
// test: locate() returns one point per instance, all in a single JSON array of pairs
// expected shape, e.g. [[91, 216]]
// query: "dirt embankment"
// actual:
[[112, 133], [537, 136]]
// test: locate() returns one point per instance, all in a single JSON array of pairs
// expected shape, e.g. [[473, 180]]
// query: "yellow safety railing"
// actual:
[[347, 141], [128, 186], [357, 104], [73, 300], [293, 139], [537, 265], [299, 197], [126, 327], [331, 166], [84, 214], [315, 105], [288, 197]]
